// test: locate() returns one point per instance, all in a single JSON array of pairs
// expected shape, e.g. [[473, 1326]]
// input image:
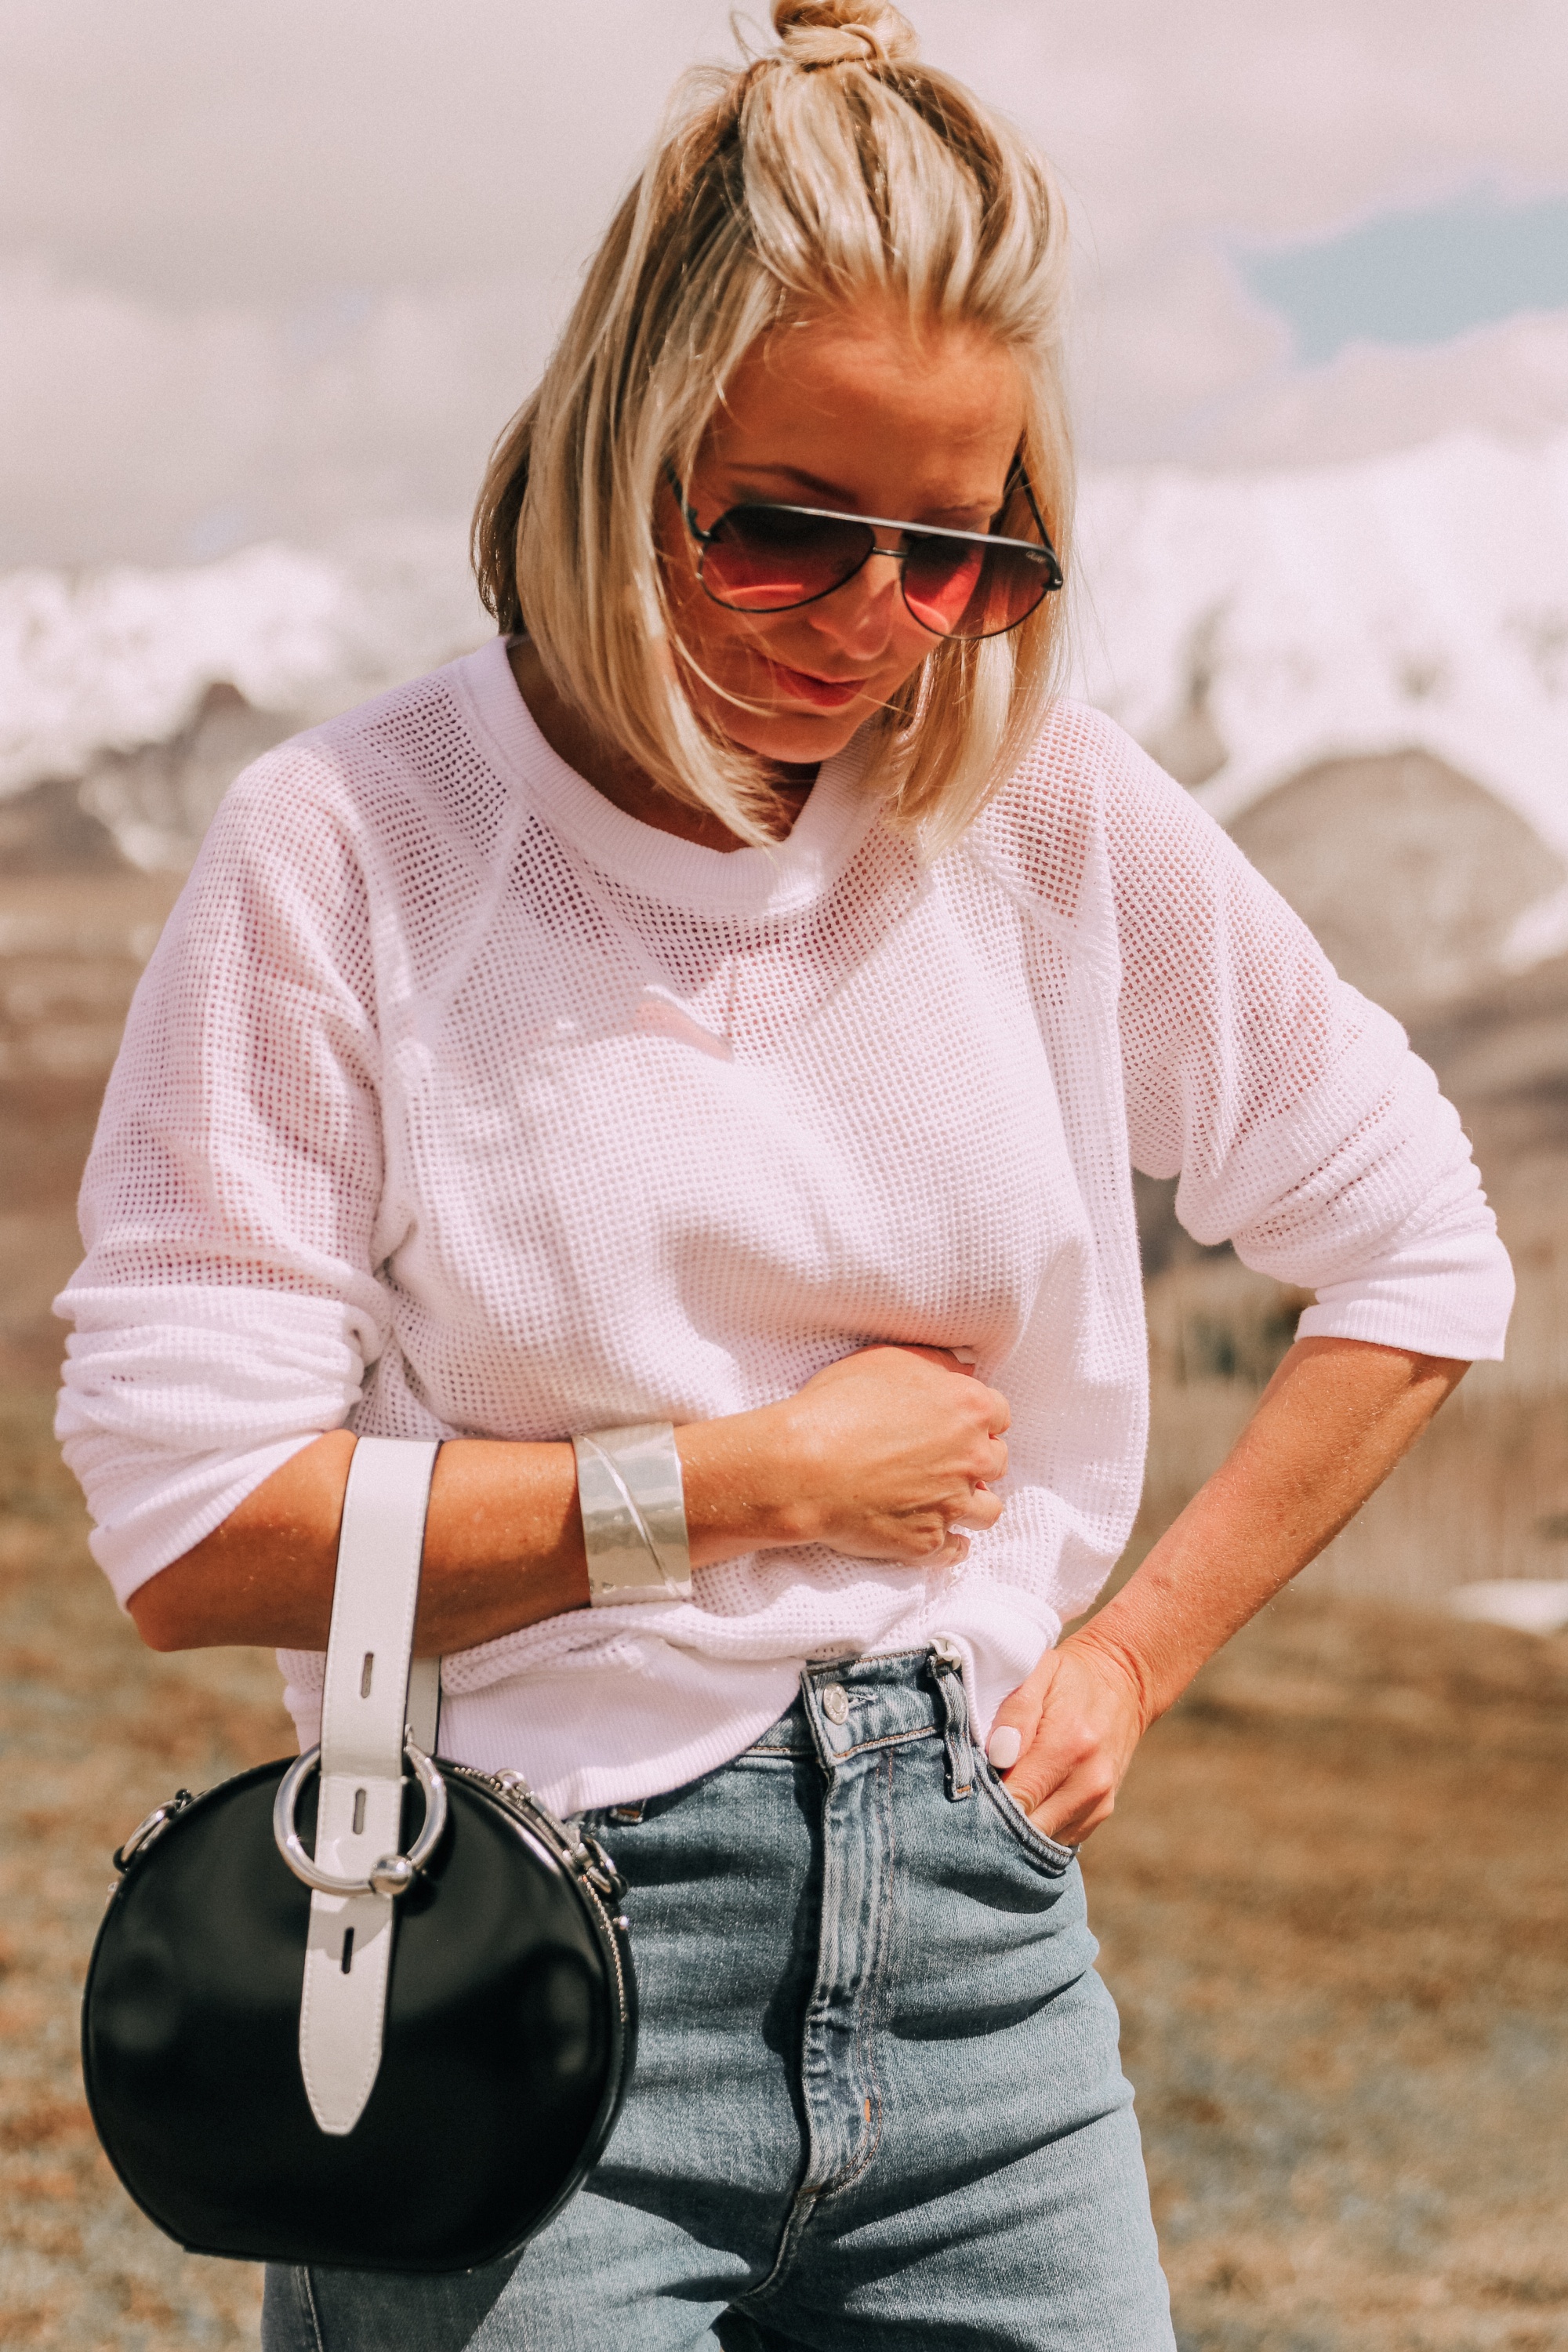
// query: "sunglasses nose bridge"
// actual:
[[876, 590], [858, 571]]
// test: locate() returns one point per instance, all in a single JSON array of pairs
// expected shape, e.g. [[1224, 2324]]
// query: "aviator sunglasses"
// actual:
[[769, 558]]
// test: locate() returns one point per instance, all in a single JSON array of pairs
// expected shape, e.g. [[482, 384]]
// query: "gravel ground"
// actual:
[[1334, 1911], [1332, 1907]]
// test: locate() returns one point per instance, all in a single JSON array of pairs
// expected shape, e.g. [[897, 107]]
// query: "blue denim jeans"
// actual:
[[877, 2104]]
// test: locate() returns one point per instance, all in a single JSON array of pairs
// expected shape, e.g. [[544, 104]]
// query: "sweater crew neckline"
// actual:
[[779, 881]]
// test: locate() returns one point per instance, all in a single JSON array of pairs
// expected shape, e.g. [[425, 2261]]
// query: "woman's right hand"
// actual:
[[886, 1454]]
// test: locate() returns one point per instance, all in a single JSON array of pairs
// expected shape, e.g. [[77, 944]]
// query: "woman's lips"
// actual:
[[823, 693]]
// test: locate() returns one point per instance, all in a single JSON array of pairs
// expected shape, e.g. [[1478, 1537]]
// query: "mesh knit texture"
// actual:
[[457, 1102]]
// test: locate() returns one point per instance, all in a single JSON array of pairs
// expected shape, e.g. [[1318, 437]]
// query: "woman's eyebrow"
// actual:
[[834, 493], [831, 493]]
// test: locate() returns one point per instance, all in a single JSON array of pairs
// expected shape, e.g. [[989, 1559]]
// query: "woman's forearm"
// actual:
[[880, 1456], [1328, 1430], [1330, 1425], [504, 1548], [503, 1543]]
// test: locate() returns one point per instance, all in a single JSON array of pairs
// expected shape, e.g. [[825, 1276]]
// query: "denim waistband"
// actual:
[[848, 1708]]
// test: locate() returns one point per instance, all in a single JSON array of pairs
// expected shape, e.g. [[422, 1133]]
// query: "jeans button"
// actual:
[[836, 1703]]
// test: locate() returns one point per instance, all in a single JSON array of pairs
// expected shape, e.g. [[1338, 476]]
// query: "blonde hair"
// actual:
[[833, 169]]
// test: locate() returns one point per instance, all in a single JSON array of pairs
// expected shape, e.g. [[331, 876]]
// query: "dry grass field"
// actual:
[[1333, 1905]]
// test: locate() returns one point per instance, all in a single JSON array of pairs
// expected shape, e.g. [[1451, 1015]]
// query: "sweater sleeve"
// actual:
[[227, 1308], [1301, 1126]]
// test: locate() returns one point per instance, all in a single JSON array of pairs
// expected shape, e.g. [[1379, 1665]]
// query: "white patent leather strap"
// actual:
[[365, 1706]]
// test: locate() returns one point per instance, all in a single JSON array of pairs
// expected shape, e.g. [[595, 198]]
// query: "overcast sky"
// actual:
[[282, 268]]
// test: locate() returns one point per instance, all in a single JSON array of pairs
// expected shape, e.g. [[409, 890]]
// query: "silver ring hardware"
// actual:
[[394, 1873], [634, 1515]]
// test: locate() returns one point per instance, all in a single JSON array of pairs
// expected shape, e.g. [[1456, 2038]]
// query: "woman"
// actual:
[[736, 997]]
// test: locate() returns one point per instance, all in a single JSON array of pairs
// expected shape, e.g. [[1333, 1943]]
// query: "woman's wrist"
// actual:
[[742, 1488], [1125, 1661]]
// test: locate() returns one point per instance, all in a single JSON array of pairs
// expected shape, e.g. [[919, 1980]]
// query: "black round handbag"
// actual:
[[401, 2050]]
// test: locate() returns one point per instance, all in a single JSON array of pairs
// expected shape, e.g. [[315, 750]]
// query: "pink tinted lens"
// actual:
[[959, 590], [941, 577], [762, 559]]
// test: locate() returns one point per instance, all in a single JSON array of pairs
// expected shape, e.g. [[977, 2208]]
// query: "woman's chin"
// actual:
[[796, 737]]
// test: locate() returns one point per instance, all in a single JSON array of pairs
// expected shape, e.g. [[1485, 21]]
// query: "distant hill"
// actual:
[[1415, 880]]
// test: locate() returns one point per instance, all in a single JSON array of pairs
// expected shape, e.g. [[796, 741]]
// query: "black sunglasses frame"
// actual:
[[1017, 480]]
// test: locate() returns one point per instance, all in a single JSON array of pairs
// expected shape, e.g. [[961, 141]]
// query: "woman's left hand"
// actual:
[[1078, 1719]]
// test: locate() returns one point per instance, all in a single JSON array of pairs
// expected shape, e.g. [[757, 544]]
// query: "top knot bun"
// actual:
[[842, 33]]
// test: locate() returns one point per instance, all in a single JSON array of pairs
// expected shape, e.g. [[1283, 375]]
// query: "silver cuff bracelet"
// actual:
[[634, 1515]]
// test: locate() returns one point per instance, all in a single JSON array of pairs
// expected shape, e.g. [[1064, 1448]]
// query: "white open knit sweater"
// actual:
[[455, 1101]]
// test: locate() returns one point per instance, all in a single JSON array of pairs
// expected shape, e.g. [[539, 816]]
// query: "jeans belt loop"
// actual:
[[947, 1674]]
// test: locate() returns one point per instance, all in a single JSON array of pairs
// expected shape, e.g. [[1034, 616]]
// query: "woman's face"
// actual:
[[849, 410]]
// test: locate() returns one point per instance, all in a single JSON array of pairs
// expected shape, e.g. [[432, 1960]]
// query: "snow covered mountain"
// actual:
[[113, 660], [1247, 627], [1250, 627]]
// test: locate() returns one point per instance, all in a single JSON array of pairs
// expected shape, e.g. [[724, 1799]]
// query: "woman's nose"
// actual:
[[861, 616]]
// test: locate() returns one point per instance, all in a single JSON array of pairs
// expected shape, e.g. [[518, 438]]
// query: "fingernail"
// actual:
[[1004, 1747]]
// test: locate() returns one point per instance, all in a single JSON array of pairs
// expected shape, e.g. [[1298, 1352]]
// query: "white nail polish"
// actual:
[[1004, 1747]]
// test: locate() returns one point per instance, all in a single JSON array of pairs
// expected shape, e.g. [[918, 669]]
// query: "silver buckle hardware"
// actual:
[[394, 1873]]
